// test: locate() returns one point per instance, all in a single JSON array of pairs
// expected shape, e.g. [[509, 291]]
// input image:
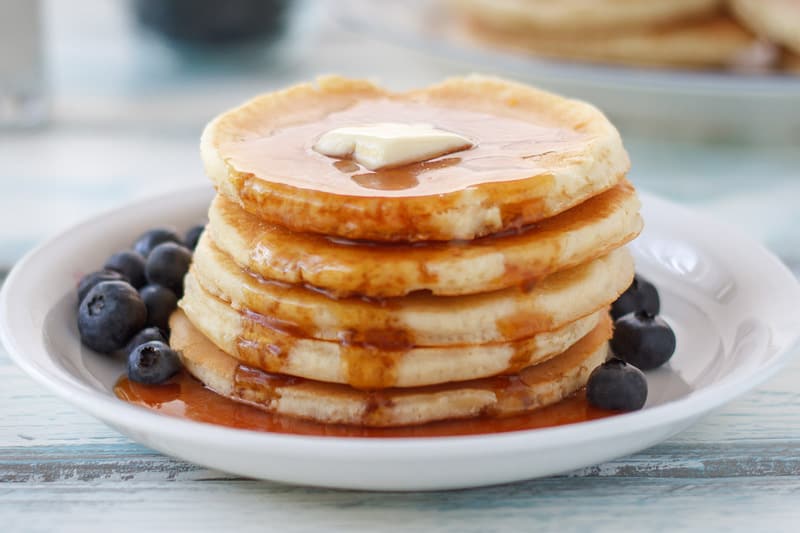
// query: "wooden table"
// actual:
[[125, 127]]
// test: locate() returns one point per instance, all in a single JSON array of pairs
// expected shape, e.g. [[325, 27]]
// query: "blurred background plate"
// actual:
[[730, 106]]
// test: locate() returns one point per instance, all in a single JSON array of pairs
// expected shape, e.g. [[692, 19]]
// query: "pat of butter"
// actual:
[[390, 144]]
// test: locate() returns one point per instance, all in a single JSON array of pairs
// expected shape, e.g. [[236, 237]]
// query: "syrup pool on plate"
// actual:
[[185, 397]]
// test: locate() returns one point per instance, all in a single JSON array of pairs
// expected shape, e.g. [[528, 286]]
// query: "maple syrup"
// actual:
[[286, 154]]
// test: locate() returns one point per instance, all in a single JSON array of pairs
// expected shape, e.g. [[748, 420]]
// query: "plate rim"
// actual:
[[109, 409]]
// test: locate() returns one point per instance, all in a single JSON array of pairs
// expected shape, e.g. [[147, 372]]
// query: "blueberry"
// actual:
[[152, 363], [145, 335], [192, 236], [167, 265], [129, 264], [641, 295], [110, 314], [617, 385], [160, 303], [150, 239], [90, 280], [643, 340]]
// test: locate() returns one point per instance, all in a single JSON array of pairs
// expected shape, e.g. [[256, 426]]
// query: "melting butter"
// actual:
[[390, 144]]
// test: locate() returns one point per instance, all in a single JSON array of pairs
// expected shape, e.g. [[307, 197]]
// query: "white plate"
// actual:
[[732, 304], [684, 103]]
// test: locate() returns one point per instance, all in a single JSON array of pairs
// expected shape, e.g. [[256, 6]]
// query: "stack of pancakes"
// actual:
[[473, 284], [740, 34]]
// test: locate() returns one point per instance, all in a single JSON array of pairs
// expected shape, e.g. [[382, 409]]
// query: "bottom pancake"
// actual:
[[531, 388]]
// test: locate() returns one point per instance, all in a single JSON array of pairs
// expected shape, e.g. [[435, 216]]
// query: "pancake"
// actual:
[[585, 232], [776, 20], [535, 155], [717, 42], [791, 63], [420, 319], [572, 16], [380, 363], [533, 387]]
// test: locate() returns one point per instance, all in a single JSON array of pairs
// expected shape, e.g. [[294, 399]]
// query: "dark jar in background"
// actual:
[[214, 22]]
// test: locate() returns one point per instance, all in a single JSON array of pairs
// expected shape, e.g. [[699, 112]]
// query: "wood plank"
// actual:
[[563, 504], [127, 461]]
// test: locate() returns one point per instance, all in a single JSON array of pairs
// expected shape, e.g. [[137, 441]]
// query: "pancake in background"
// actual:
[[717, 42], [776, 20], [572, 16], [791, 63]]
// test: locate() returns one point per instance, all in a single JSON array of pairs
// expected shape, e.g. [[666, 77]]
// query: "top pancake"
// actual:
[[535, 155]]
